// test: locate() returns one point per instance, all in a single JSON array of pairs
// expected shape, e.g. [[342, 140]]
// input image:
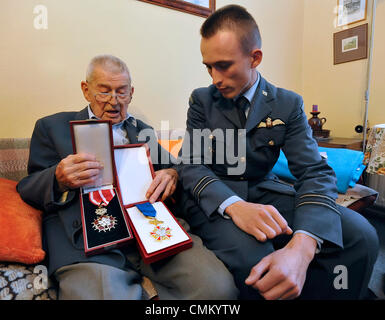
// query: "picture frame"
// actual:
[[351, 11], [202, 8], [351, 44]]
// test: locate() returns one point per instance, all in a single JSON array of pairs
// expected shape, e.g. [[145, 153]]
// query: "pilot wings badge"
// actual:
[[269, 123]]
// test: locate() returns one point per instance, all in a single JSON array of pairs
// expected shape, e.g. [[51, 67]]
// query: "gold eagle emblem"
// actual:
[[269, 123]]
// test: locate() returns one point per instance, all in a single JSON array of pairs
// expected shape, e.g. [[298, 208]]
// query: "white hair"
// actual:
[[109, 62]]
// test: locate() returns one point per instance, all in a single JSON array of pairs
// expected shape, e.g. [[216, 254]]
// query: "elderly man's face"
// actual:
[[107, 81]]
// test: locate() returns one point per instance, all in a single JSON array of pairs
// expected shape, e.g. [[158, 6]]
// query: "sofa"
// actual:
[[22, 260], [23, 275]]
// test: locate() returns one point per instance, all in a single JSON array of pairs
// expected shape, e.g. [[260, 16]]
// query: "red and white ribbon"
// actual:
[[101, 197]]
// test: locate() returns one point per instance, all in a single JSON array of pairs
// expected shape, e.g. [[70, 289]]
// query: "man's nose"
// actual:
[[217, 78], [114, 100]]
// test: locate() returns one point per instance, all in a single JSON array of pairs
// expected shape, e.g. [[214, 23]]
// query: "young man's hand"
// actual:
[[282, 274], [261, 221]]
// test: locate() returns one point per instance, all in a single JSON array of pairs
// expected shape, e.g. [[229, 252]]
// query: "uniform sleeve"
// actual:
[[316, 210], [197, 178]]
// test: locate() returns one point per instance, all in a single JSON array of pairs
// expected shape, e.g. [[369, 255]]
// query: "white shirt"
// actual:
[[118, 131]]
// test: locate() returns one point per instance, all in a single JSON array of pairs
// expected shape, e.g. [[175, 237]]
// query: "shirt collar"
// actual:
[[91, 115]]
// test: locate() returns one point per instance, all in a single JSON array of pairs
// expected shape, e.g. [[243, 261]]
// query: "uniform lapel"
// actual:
[[227, 107], [259, 109], [260, 105]]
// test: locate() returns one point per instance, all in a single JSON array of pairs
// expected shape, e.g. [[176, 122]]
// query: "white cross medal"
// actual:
[[103, 221], [159, 233]]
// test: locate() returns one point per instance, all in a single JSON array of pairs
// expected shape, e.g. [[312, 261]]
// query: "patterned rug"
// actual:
[[21, 282]]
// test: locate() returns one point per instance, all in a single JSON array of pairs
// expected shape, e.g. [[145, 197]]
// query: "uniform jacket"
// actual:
[[276, 120], [62, 233]]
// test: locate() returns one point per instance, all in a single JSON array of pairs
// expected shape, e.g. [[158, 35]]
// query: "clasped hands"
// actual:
[[281, 274], [79, 170]]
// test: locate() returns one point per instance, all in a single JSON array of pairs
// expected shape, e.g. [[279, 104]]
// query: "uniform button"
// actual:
[[211, 136], [241, 178], [76, 224], [271, 143], [243, 159]]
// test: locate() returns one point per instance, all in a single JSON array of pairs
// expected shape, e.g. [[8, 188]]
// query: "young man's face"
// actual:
[[232, 71], [107, 81]]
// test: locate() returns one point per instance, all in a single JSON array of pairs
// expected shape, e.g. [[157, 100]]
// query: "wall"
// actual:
[[281, 26], [41, 70], [377, 90], [339, 90]]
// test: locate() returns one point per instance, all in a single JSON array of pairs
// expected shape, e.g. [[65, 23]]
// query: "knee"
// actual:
[[217, 284], [202, 275], [369, 241], [365, 238]]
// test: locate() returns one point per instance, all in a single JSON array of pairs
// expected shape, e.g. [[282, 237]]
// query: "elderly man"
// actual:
[[55, 176], [278, 241]]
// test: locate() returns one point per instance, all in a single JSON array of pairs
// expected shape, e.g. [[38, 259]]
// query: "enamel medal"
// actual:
[[159, 233], [103, 221]]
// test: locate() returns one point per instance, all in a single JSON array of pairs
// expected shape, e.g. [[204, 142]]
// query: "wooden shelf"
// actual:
[[343, 143]]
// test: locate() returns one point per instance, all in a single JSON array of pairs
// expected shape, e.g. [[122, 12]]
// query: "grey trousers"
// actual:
[[241, 251], [195, 273]]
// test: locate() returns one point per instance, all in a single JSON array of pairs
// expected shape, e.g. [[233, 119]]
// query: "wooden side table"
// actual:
[[343, 143]]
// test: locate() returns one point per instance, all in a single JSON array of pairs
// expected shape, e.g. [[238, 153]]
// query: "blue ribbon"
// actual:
[[147, 209]]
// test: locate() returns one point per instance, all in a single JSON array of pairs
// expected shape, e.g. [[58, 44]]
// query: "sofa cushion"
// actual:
[[20, 227]]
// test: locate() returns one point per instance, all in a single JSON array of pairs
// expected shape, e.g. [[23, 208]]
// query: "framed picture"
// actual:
[[351, 44], [351, 11], [201, 8]]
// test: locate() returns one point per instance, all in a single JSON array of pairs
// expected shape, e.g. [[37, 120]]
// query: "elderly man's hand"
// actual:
[[165, 182], [77, 170]]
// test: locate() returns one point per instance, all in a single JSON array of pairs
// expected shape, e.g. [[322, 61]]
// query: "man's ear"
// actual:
[[131, 93], [86, 91], [256, 58]]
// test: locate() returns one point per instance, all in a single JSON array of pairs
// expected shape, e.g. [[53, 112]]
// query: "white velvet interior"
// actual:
[[134, 174], [143, 227], [94, 138]]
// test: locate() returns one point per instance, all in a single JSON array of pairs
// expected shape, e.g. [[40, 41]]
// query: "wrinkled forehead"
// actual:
[[110, 76]]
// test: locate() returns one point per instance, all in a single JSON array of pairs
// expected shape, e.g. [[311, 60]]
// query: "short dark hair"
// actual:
[[234, 18]]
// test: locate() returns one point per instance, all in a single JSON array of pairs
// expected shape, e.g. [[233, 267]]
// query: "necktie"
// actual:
[[131, 132], [242, 104]]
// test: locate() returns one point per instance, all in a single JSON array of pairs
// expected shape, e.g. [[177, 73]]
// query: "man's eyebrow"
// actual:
[[217, 62], [103, 85], [106, 86]]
